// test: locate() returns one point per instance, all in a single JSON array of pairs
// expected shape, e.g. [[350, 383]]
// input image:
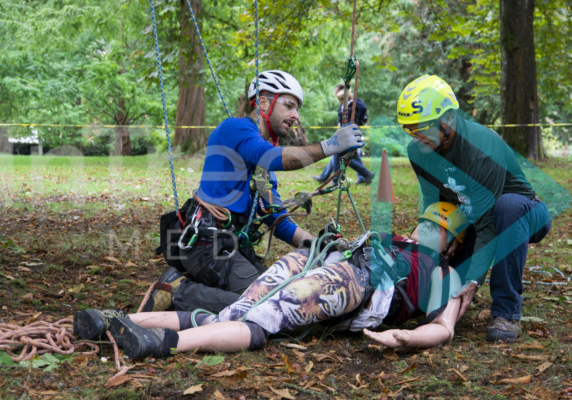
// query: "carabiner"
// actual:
[[193, 238], [227, 224]]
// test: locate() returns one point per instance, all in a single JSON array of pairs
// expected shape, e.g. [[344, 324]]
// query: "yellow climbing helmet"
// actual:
[[425, 99], [449, 216]]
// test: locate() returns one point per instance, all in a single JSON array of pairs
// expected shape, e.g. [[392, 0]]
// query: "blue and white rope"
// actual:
[[256, 62], [166, 120], [207, 57]]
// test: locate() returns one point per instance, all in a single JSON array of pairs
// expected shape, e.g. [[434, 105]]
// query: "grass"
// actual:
[[69, 216]]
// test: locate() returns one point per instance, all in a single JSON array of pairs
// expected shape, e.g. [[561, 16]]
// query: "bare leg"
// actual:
[[165, 319], [223, 337], [439, 331]]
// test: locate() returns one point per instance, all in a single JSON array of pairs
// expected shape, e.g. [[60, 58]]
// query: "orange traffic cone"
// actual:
[[384, 188]]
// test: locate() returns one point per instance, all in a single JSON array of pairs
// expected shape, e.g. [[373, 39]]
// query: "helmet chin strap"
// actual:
[[446, 132], [267, 118]]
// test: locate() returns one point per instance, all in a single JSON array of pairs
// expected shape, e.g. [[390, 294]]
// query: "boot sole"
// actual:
[[89, 326], [496, 335], [122, 330]]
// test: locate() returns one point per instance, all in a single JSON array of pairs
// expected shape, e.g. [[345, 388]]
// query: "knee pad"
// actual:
[[257, 336]]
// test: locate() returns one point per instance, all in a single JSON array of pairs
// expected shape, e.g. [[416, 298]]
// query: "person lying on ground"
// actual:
[[386, 279], [238, 180]]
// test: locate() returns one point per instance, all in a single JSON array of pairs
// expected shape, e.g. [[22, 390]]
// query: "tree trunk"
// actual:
[[519, 99], [5, 145], [191, 102], [122, 139], [244, 108]]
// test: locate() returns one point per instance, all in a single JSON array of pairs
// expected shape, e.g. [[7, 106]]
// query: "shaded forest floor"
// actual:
[[83, 237]]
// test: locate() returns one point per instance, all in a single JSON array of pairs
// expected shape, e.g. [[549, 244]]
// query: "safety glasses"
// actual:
[[415, 132], [290, 105]]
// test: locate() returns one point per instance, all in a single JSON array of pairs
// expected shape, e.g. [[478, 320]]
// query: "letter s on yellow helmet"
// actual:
[[425, 99], [449, 216]]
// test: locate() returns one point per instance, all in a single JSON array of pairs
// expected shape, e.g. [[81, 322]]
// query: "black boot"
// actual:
[[140, 342], [91, 324], [162, 298]]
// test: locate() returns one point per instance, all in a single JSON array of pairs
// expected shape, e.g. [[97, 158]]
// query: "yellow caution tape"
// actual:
[[213, 127]]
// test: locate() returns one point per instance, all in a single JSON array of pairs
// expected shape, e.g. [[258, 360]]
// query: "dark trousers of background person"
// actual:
[[356, 164], [522, 221], [237, 274]]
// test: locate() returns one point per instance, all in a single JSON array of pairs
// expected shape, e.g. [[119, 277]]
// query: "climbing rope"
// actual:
[[165, 118], [256, 62], [39, 338], [207, 58]]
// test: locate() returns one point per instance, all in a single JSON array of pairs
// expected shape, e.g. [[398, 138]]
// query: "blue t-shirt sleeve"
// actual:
[[285, 229], [242, 136]]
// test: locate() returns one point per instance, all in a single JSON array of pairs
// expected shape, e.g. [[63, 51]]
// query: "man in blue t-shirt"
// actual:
[[235, 151]]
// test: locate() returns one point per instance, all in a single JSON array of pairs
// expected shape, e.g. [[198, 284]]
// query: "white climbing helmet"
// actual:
[[276, 81]]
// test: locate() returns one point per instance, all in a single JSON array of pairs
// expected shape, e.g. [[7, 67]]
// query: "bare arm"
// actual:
[[439, 331], [299, 235], [299, 157]]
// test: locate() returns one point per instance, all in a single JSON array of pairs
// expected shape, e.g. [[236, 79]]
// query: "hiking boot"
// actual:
[[366, 181], [91, 324], [166, 288], [503, 330], [140, 342], [370, 179], [318, 179]]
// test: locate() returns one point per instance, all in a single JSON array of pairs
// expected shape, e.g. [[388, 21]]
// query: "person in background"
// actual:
[[364, 175]]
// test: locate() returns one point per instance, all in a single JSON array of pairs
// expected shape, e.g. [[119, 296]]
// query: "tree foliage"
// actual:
[[80, 62]]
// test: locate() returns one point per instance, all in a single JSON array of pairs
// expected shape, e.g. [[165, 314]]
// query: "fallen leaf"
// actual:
[[81, 360], [390, 354], [544, 366], [130, 264], [517, 381], [409, 368], [531, 346], [531, 358], [218, 395], [404, 382], [117, 380], [309, 366], [295, 346], [194, 389], [232, 375], [322, 376], [323, 357], [28, 298], [30, 264], [299, 354], [463, 368], [459, 375], [77, 288], [484, 314], [283, 393], [8, 276], [112, 259], [289, 367], [24, 269]]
